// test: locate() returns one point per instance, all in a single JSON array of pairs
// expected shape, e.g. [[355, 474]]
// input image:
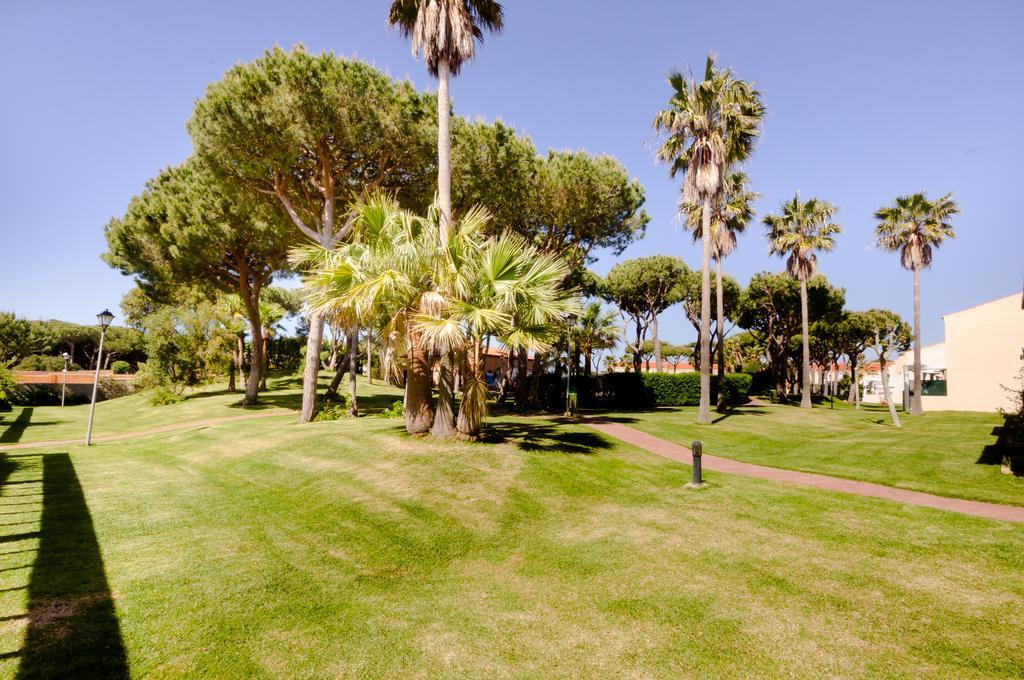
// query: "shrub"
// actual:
[[162, 396], [114, 389], [44, 362], [330, 411], [7, 387], [683, 389], [121, 367], [397, 410]]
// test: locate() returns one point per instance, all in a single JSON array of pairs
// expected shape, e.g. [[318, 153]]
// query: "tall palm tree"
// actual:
[[798, 232], [708, 127], [445, 33], [730, 214], [914, 226], [595, 330]]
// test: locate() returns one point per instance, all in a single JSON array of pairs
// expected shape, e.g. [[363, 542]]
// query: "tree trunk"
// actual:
[[444, 414], [638, 352], [704, 415], [720, 327], [339, 375], [522, 385], [587, 363], [252, 384], [353, 367], [473, 406], [231, 373], [915, 398], [805, 370], [851, 399], [885, 382], [444, 150], [656, 341], [419, 406], [310, 373], [240, 361], [266, 364]]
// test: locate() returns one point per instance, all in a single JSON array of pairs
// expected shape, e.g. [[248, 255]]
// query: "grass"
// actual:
[[940, 452], [132, 413], [267, 549]]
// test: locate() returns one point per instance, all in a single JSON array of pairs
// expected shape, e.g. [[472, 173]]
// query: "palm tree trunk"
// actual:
[[587, 362], [704, 415], [915, 398], [353, 366], [266, 364], [231, 373], [805, 377], [419, 407], [444, 150], [720, 326], [473, 406], [240, 354], [312, 368]]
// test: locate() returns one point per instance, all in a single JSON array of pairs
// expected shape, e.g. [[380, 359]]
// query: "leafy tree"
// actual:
[[914, 226], [186, 345], [190, 229], [643, 288], [17, 339], [771, 309], [892, 337], [675, 354], [798, 232], [585, 202], [731, 211], [854, 333], [708, 127], [306, 131], [690, 296], [496, 168]]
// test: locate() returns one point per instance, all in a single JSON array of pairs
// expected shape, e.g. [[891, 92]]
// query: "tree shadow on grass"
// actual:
[[545, 437], [17, 427], [1003, 451], [72, 628]]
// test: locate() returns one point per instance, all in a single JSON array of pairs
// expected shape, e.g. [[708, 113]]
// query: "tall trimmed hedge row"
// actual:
[[630, 390]]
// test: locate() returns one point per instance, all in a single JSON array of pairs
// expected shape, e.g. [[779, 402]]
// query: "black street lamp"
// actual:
[[104, 318]]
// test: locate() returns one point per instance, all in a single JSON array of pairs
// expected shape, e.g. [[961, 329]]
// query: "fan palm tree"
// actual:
[[445, 33], [595, 330], [709, 127], [914, 226], [798, 233], [443, 300], [730, 214]]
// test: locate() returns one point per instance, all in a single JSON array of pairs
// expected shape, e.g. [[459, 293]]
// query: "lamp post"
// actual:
[[64, 387], [104, 318]]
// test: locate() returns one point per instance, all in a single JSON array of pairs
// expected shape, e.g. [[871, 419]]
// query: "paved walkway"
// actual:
[[648, 442], [192, 424]]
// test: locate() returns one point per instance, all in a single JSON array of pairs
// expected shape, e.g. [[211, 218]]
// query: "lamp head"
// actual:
[[105, 317]]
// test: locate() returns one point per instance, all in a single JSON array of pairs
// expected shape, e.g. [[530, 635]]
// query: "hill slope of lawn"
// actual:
[[940, 452], [135, 412], [269, 549]]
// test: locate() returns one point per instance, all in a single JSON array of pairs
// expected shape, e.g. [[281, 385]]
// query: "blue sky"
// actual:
[[866, 101]]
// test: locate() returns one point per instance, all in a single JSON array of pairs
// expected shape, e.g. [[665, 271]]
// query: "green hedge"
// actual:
[[629, 390], [683, 389]]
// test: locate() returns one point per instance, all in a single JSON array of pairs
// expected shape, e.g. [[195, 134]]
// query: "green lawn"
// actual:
[[128, 414], [269, 549], [938, 452]]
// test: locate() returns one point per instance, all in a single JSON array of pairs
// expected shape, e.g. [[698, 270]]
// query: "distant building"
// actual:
[[981, 357]]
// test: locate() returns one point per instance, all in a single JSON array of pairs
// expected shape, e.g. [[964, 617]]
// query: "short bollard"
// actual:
[[698, 480]]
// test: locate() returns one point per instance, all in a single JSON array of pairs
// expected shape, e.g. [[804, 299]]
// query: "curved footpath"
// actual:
[[192, 424], [662, 447]]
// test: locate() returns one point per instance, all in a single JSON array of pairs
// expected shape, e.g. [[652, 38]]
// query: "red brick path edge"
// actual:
[[145, 433], [682, 454]]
